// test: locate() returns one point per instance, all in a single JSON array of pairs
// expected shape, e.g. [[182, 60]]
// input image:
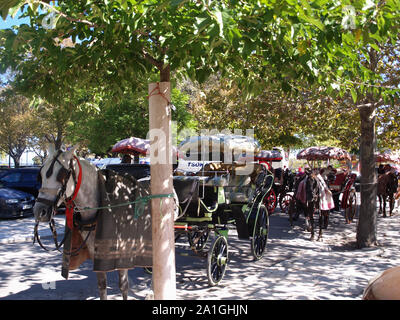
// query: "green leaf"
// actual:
[[13, 11], [374, 46], [176, 3], [353, 94]]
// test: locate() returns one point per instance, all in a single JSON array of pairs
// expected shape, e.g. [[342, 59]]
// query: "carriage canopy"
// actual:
[[220, 143], [323, 153], [269, 155], [134, 145], [387, 157]]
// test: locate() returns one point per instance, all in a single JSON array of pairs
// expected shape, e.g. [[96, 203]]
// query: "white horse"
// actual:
[[56, 179]]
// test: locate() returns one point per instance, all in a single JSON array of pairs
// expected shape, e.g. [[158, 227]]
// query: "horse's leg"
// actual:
[[304, 208], [391, 204], [384, 205], [311, 217], [102, 284], [124, 283], [321, 222], [380, 204]]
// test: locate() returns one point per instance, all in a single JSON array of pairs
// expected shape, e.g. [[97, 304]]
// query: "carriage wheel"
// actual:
[[148, 270], [351, 208], [198, 239], [217, 260], [270, 201], [260, 233], [284, 202]]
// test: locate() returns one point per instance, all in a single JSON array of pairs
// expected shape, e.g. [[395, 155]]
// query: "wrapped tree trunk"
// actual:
[[164, 279]]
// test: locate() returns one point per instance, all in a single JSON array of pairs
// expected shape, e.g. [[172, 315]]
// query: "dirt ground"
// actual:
[[293, 268]]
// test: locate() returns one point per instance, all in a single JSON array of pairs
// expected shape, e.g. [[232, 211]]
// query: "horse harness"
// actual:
[[72, 219]]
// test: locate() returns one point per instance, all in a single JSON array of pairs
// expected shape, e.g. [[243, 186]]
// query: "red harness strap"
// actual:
[[69, 203]]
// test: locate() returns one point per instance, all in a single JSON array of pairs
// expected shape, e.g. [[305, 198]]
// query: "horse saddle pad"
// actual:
[[123, 233]]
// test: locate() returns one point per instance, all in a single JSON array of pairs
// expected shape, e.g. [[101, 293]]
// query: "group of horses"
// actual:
[[310, 204]]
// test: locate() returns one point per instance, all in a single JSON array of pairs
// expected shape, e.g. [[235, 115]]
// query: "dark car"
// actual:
[[23, 179], [15, 203], [3, 171]]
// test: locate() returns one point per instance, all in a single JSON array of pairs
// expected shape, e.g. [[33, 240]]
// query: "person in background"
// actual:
[[126, 159], [387, 168]]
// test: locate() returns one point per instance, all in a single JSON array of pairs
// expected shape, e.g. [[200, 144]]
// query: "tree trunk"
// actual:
[[367, 223], [164, 279], [16, 161]]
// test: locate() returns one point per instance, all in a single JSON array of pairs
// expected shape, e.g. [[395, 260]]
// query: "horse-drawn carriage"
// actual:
[[281, 192], [340, 183], [319, 190], [221, 196], [218, 197]]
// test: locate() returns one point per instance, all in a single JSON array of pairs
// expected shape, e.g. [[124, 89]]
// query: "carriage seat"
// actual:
[[239, 189], [186, 188]]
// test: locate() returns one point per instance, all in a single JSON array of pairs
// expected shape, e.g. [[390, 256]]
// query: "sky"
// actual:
[[10, 22]]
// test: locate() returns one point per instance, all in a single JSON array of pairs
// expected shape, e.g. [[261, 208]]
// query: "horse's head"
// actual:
[[312, 189], [54, 175]]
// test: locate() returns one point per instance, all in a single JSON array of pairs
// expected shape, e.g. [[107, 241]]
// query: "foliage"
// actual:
[[114, 121], [17, 124]]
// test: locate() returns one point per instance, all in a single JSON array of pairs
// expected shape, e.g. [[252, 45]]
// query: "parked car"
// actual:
[[15, 203], [3, 171], [23, 179]]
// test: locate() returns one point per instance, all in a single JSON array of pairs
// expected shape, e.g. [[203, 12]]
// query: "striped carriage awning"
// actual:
[[323, 153], [269, 155], [220, 143], [387, 157], [136, 145], [132, 145]]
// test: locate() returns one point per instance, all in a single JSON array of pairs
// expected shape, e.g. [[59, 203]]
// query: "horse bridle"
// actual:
[[63, 177]]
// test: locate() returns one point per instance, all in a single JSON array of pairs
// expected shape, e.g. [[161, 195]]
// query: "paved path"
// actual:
[[293, 268]]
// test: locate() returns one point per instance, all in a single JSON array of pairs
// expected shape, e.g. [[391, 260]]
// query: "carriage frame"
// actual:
[[236, 204]]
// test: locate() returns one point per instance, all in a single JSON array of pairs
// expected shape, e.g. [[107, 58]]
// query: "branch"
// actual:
[[158, 64], [371, 104], [89, 23]]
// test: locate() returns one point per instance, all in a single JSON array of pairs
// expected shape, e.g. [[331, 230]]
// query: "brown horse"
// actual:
[[307, 199], [387, 187], [386, 286]]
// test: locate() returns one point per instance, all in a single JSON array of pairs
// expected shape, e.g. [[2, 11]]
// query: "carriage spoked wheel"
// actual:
[[270, 201], [217, 260], [148, 270], [284, 202], [198, 239], [351, 208], [260, 233]]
